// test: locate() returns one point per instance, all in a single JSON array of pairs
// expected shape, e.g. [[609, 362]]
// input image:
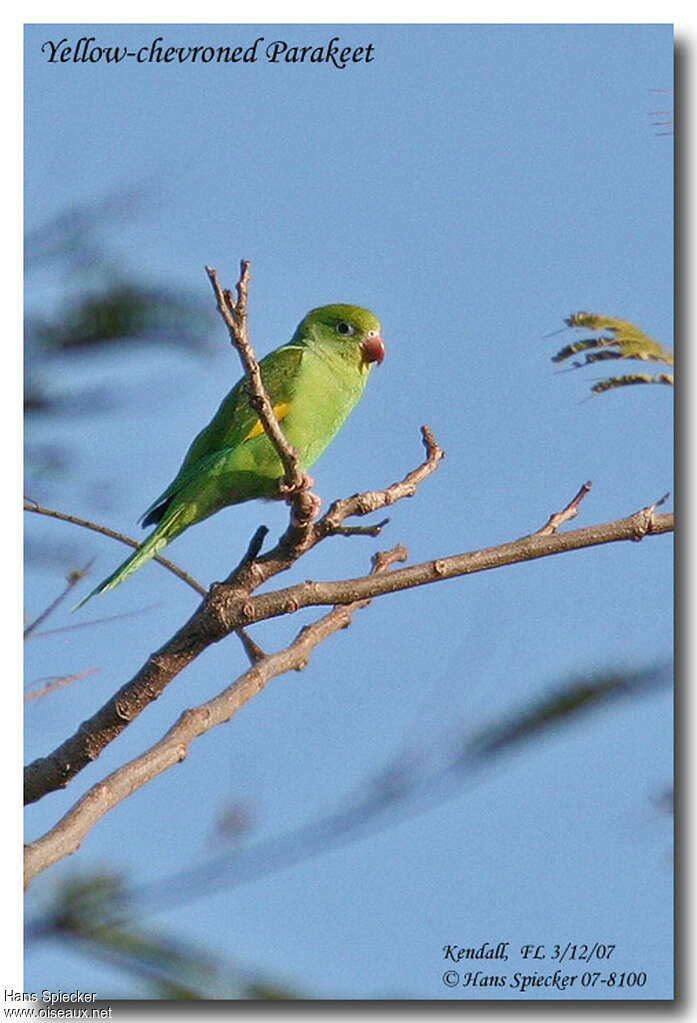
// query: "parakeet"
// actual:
[[313, 382]]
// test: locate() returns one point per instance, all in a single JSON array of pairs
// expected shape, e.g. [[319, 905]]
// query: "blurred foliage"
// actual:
[[412, 782], [564, 704], [97, 912], [169, 968], [117, 310], [79, 299], [623, 340]]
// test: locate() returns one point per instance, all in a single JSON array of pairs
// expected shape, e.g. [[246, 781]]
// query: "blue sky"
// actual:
[[472, 185]]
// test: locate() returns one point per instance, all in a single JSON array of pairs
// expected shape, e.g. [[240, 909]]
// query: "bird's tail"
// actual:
[[151, 546]]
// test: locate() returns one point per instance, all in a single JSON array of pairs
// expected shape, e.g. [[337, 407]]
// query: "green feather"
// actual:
[[315, 379]]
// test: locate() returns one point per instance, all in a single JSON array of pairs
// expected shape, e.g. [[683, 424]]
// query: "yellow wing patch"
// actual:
[[281, 411]]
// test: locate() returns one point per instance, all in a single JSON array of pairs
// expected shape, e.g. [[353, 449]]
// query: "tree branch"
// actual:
[[569, 512], [374, 500], [65, 837], [205, 627], [72, 579], [295, 484], [32, 506], [58, 683], [528, 548], [226, 610]]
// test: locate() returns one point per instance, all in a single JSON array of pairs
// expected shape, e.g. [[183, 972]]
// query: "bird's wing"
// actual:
[[234, 422]]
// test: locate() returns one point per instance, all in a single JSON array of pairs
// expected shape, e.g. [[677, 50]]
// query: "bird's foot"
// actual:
[[305, 506], [287, 490], [304, 503]]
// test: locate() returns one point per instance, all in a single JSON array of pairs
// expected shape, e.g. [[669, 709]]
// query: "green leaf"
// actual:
[[621, 340]]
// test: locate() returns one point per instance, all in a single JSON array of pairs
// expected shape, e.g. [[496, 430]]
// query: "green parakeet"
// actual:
[[313, 382]]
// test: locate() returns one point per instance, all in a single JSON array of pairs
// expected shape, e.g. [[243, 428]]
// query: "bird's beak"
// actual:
[[373, 348]]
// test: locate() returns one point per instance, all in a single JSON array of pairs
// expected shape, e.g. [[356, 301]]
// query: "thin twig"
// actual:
[[373, 500], [254, 547], [646, 517], [375, 530], [58, 683], [569, 512], [234, 315], [252, 649], [71, 581], [32, 506], [90, 624]]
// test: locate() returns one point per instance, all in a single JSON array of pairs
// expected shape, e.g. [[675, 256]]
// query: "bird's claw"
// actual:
[[304, 503], [305, 506], [314, 503], [287, 489]]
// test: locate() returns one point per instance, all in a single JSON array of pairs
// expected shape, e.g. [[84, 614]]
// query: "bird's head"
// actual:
[[347, 330]]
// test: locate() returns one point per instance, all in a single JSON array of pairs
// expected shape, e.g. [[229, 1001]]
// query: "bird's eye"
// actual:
[[345, 328]]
